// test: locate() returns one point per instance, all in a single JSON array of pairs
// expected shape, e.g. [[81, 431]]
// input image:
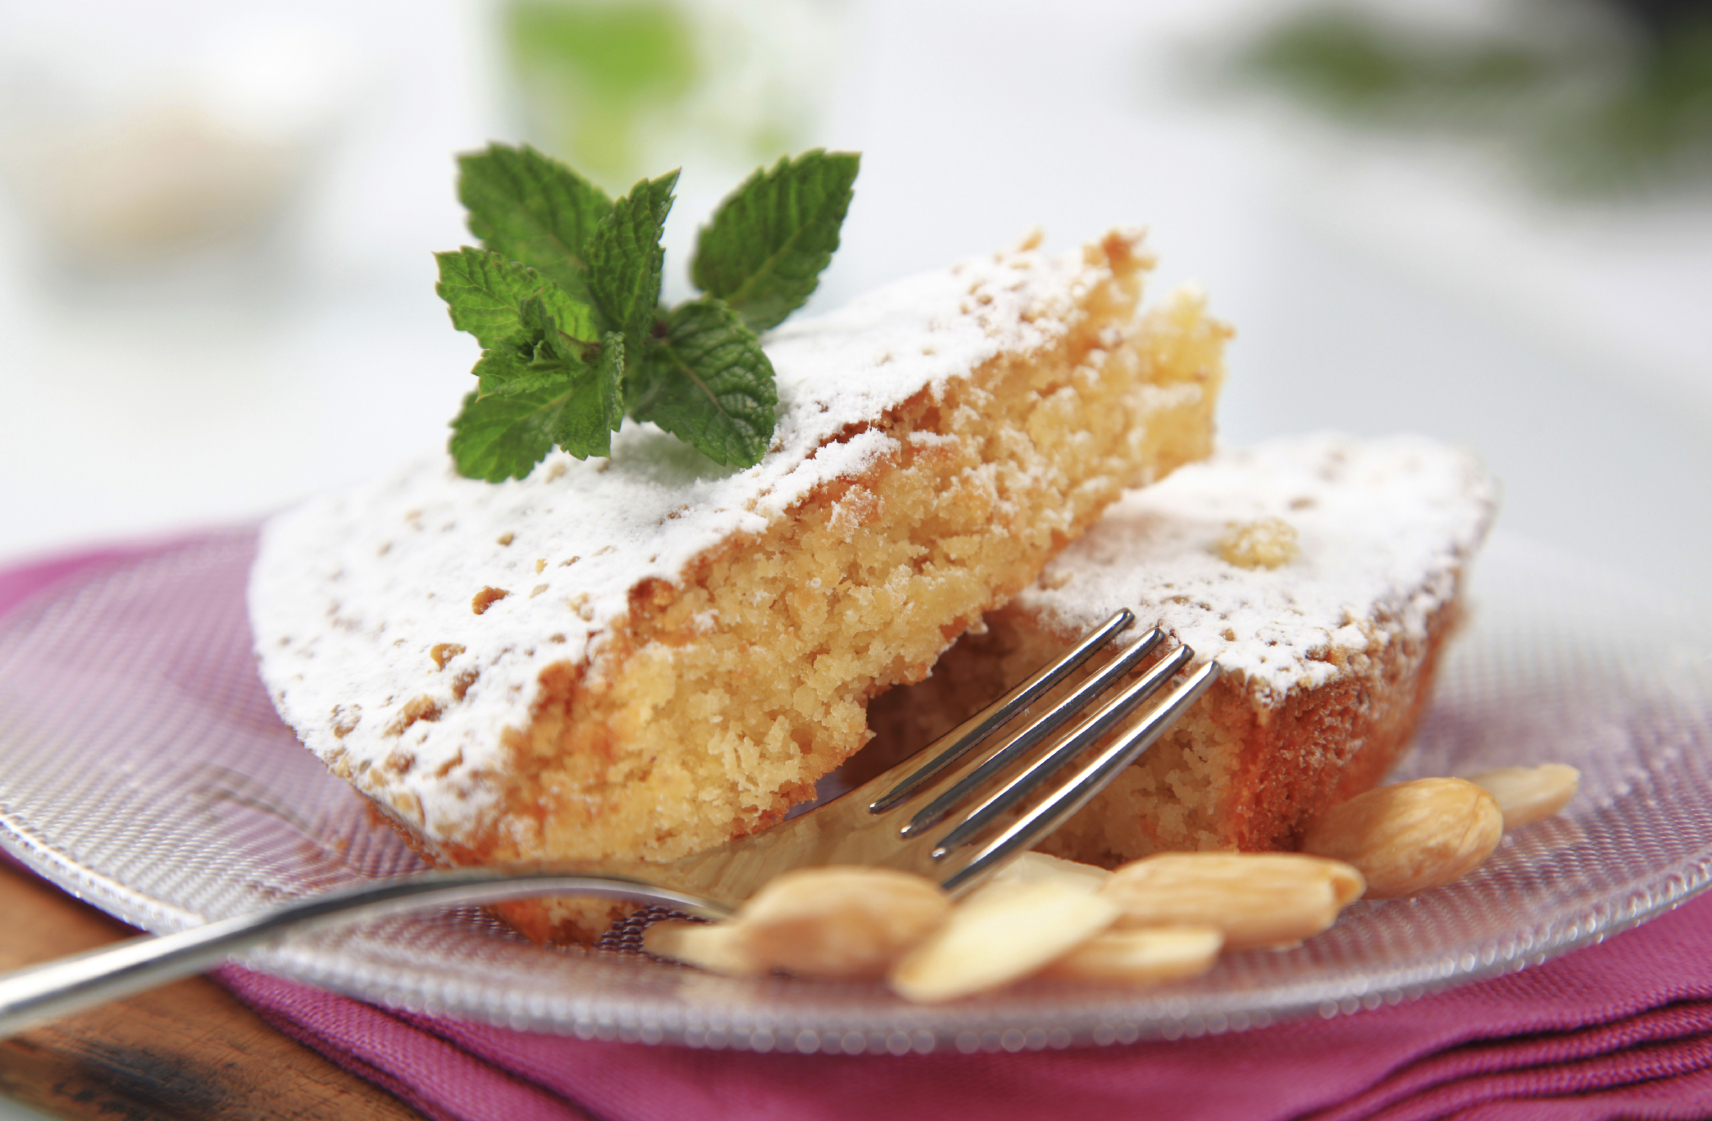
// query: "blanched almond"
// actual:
[[1144, 956], [1529, 794], [714, 947], [1001, 933], [840, 921], [1037, 867], [1256, 899], [1411, 836]]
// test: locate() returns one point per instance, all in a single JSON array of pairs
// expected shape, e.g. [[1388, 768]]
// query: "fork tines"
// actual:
[[1042, 788]]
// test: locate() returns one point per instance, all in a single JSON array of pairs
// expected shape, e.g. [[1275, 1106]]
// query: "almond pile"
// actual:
[[1162, 918]]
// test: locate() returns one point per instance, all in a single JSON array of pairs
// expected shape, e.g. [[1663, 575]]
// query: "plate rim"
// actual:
[[676, 1022]]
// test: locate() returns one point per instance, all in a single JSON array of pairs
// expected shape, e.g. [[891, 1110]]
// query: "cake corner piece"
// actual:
[[1323, 572]]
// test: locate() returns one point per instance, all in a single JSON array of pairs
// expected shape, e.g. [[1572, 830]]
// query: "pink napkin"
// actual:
[[1622, 1029]]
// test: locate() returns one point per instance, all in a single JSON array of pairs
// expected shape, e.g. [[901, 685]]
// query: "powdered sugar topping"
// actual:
[[1381, 529], [402, 625]]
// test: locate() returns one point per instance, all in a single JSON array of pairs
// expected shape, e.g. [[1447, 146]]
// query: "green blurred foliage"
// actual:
[[1626, 110], [590, 70]]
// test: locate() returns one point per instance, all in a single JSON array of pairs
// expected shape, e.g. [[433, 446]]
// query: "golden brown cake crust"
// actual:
[[644, 658], [872, 577], [1329, 655], [1318, 747]]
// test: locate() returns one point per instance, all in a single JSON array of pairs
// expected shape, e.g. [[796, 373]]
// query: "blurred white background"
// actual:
[[216, 221]]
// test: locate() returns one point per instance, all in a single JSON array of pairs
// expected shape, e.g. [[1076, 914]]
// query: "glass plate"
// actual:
[[143, 769]]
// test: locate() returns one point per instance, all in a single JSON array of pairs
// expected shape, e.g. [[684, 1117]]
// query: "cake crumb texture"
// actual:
[[693, 647], [1262, 543], [1328, 654]]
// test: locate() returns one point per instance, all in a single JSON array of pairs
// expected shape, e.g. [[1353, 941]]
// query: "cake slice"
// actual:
[[1322, 572], [648, 655]]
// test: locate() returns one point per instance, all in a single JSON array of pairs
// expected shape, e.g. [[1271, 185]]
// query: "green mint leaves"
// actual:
[[625, 260], [533, 210], [697, 383], [764, 250], [564, 297], [486, 294]]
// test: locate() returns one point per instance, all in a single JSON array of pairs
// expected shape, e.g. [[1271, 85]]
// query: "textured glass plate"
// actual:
[[143, 769]]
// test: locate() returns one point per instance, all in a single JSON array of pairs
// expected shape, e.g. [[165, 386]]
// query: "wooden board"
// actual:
[[184, 1052]]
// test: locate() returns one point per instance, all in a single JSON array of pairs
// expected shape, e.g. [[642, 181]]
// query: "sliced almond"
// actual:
[[1038, 867], [714, 947], [1000, 934], [1411, 836], [839, 921], [1144, 956], [1529, 794], [1256, 899]]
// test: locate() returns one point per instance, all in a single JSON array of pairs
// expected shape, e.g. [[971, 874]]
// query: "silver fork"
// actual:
[[1008, 791]]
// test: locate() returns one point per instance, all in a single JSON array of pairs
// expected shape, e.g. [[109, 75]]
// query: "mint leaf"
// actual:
[[708, 383], [485, 294], [501, 366], [625, 260], [590, 417], [530, 208], [594, 406], [609, 374], [544, 324], [565, 301], [532, 398], [769, 240], [503, 436]]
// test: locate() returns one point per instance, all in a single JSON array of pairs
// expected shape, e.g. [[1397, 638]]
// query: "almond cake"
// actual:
[[1323, 572], [647, 655]]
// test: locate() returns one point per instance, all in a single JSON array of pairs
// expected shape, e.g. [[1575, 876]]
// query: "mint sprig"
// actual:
[[564, 297]]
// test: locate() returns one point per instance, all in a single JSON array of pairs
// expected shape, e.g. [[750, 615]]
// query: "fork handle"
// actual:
[[37, 993]]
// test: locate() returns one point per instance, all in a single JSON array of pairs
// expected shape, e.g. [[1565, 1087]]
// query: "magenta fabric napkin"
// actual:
[[1619, 1030]]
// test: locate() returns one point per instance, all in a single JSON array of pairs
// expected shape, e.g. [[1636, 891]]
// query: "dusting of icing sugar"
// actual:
[[1382, 529], [352, 591]]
